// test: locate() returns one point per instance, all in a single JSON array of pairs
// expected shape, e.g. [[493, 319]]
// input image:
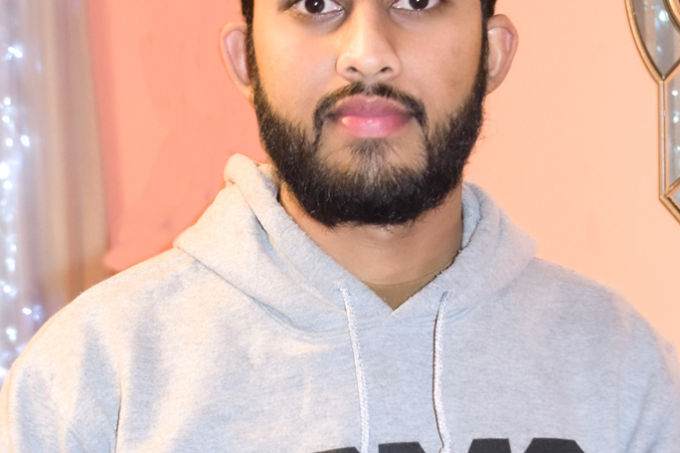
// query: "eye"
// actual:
[[317, 7], [415, 5]]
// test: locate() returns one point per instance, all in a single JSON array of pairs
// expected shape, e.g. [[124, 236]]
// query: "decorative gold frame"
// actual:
[[666, 189], [674, 8]]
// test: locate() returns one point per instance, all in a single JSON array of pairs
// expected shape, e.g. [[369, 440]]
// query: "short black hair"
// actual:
[[488, 9]]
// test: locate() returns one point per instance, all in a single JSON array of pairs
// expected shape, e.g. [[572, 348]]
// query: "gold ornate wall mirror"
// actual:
[[674, 7], [656, 28]]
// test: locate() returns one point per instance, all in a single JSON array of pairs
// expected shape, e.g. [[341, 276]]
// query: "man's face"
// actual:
[[368, 108]]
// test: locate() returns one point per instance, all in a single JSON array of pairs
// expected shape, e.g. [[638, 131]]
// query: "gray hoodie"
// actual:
[[246, 337]]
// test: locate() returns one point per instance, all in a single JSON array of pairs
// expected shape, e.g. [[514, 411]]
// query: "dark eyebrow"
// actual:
[[283, 5]]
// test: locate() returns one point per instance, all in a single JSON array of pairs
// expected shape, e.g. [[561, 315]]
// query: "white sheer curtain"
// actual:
[[52, 213]]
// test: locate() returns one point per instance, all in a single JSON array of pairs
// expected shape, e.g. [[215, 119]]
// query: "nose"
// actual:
[[367, 52]]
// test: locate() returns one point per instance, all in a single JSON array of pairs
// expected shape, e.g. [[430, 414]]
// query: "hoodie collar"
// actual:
[[248, 239]]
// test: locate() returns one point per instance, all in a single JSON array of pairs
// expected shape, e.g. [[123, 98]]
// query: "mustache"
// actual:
[[327, 103]]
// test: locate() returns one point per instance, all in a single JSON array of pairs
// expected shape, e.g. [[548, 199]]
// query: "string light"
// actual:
[[14, 141]]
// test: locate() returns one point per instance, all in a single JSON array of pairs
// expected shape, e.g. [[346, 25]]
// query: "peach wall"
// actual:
[[569, 149], [169, 117]]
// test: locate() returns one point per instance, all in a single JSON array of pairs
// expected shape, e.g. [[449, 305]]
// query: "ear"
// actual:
[[503, 40], [235, 56]]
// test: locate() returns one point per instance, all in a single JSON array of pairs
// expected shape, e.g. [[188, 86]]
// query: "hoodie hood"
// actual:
[[248, 239]]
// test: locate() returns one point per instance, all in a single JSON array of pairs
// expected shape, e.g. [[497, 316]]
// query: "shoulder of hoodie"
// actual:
[[146, 282], [574, 305], [84, 349], [591, 329], [115, 304], [577, 299]]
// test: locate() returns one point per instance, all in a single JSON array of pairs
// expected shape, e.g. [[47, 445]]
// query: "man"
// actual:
[[356, 296]]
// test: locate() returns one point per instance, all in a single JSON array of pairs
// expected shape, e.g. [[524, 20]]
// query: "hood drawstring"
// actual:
[[440, 414], [359, 369]]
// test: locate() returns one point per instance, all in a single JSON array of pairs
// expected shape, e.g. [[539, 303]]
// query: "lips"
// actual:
[[370, 117]]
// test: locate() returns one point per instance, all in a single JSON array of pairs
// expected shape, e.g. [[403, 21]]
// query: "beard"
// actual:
[[371, 190]]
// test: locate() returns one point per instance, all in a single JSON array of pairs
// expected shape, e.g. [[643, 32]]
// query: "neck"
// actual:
[[394, 261]]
